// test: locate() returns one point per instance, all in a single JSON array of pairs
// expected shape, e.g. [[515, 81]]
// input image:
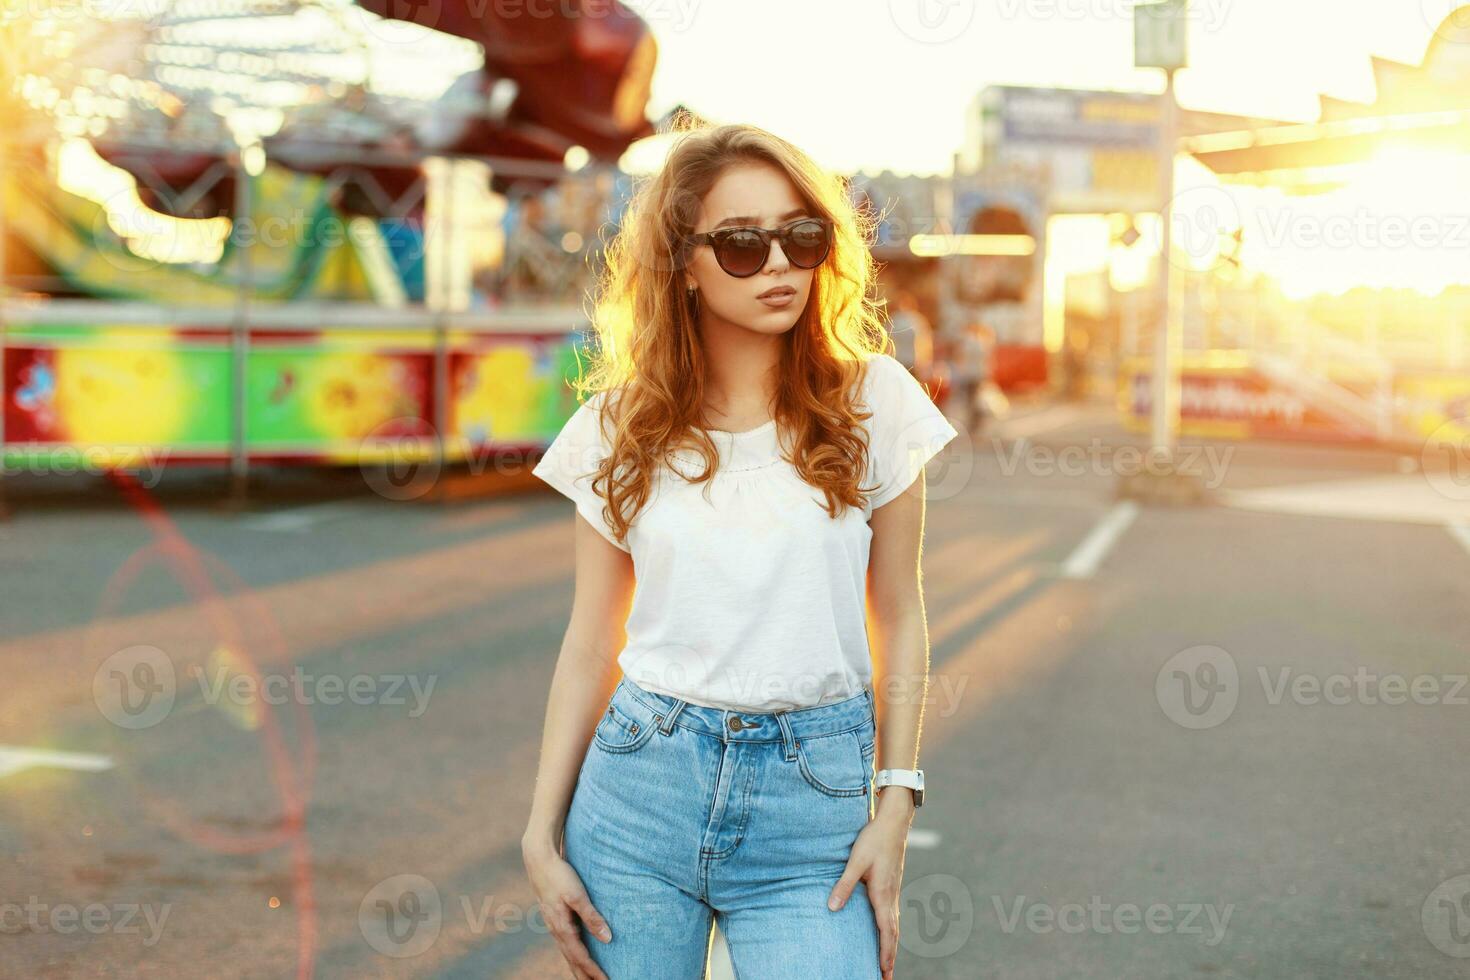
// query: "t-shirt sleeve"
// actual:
[[906, 431], [570, 464]]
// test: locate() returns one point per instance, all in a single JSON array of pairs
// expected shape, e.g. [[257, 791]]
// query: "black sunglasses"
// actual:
[[742, 251]]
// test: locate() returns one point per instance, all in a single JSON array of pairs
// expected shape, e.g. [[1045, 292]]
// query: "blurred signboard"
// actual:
[[1229, 398], [1099, 147], [1160, 34], [1073, 117]]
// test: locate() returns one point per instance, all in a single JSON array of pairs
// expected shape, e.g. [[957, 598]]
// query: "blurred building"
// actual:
[[1077, 171], [1343, 309]]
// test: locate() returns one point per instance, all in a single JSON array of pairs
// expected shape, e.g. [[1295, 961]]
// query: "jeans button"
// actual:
[[735, 723]]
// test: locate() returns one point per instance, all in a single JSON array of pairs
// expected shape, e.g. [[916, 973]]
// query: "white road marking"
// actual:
[[1461, 533], [295, 518], [1083, 562], [924, 839], [1395, 499], [14, 760]]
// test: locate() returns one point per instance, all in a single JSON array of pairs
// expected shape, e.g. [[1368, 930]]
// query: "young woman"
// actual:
[[753, 461]]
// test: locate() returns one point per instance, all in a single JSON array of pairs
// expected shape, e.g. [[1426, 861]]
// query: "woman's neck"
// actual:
[[741, 366]]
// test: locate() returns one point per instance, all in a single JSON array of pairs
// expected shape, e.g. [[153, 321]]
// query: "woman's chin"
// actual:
[[771, 323]]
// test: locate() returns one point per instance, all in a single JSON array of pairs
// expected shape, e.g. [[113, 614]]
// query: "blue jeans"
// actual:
[[683, 814]]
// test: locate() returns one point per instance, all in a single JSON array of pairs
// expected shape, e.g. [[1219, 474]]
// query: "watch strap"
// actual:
[[912, 778]]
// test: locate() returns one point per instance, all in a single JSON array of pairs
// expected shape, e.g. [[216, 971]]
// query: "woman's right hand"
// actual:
[[563, 900]]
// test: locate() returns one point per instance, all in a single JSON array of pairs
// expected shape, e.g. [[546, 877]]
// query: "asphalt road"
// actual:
[[1224, 741]]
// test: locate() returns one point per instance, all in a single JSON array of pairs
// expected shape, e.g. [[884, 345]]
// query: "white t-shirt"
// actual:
[[748, 596]]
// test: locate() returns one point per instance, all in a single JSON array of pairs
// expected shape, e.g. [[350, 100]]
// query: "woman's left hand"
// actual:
[[877, 860]]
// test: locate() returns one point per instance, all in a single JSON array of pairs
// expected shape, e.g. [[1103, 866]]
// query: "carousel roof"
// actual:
[[1422, 107]]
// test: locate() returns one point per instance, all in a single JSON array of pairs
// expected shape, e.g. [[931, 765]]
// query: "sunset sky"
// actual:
[[864, 84]]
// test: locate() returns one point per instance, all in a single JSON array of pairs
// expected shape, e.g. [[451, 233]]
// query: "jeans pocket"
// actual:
[[623, 727], [834, 764]]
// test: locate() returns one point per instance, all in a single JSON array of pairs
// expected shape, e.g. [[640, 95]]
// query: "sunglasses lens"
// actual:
[[806, 245], [741, 253]]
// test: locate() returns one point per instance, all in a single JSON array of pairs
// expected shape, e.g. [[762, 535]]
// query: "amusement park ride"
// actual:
[[236, 230]]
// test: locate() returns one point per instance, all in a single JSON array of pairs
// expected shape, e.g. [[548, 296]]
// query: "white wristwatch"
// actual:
[[912, 778]]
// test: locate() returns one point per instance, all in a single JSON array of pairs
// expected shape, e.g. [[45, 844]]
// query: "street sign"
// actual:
[[1159, 34]]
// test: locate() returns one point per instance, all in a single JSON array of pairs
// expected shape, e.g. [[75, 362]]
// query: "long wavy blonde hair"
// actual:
[[647, 345]]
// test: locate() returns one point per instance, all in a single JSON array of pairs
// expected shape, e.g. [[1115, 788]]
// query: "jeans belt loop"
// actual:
[[667, 724], [787, 737]]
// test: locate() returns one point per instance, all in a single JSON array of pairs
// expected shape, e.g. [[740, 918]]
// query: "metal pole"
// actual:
[[1165, 380], [240, 335], [4, 300], [441, 327]]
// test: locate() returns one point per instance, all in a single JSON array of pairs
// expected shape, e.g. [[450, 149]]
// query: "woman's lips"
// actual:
[[778, 297]]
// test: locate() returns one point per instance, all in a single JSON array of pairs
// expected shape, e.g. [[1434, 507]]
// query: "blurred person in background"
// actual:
[[970, 376], [913, 336]]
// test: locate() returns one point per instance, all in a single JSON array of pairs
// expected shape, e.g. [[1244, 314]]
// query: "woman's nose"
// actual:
[[776, 258]]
